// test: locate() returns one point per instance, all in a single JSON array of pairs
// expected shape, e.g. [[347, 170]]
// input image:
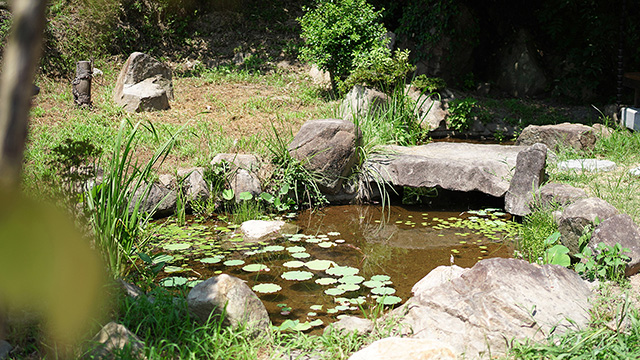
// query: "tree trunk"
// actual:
[[21, 55], [81, 85]]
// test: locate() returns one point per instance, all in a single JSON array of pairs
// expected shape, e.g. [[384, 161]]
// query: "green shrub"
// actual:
[[379, 69], [336, 31], [428, 85], [535, 235], [605, 263], [461, 113]]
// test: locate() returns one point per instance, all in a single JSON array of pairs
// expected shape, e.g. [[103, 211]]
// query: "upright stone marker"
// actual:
[[81, 85]]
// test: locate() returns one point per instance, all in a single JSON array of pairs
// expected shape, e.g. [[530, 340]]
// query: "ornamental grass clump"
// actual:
[[116, 218]]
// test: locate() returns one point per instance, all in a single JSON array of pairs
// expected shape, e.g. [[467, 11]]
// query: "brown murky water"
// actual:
[[401, 242]]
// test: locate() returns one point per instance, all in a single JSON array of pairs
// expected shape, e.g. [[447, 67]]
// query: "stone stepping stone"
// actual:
[[589, 165]]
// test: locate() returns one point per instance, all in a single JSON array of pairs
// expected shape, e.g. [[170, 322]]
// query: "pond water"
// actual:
[[339, 260]]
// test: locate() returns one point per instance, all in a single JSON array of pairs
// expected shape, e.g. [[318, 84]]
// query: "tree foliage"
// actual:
[[336, 31]]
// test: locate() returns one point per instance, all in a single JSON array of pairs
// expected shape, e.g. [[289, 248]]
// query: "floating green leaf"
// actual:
[[349, 287], [162, 258], [212, 260], [233, 263], [267, 288], [315, 307], [333, 233], [173, 269], [383, 291], [388, 300], [193, 283], [173, 281], [311, 313], [319, 265], [297, 275], [342, 271], [295, 249], [380, 278], [300, 255], [351, 279], [273, 248], [176, 246], [326, 281], [254, 267], [293, 264], [373, 284], [334, 291], [316, 323], [325, 244]]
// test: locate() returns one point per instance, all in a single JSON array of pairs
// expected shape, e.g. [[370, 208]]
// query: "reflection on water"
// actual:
[[401, 242]]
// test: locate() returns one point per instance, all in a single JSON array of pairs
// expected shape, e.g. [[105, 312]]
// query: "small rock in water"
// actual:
[[256, 229], [590, 165]]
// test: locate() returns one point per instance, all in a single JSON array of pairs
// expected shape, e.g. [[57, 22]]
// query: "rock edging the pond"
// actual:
[[477, 311]]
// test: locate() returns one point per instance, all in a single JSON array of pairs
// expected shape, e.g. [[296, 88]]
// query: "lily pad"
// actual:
[[193, 283], [333, 233], [163, 258], [334, 292], [173, 281], [173, 269], [211, 260], [176, 246], [311, 313], [315, 307], [319, 265], [254, 267], [297, 275], [373, 284], [388, 300], [293, 264], [383, 291], [316, 323], [300, 255], [351, 279], [273, 248], [295, 249], [380, 277], [326, 281], [332, 311], [349, 287], [267, 288], [342, 271], [325, 244], [233, 263]]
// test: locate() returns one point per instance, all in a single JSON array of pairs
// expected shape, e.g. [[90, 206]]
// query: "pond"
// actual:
[[338, 260]]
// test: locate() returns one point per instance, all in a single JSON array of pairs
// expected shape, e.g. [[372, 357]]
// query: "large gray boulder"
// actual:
[[397, 348], [361, 101], [452, 166], [431, 112], [520, 73], [576, 217], [231, 296], [327, 147], [528, 175], [560, 194], [497, 300], [159, 199], [114, 341], [577, 136], [620, 229], [143, 84], [193, 186], [244, 174]]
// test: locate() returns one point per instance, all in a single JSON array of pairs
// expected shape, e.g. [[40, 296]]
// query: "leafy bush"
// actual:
[[379, 69], [535, 235], [461, 113], [336, 32], [605, 263], [429, 85]]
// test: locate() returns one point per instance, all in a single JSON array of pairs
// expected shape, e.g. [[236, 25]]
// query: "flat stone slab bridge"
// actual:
[[493, 169]]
